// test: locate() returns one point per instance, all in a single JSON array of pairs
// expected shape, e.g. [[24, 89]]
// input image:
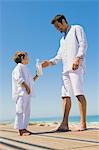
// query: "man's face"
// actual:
[[60, 26]]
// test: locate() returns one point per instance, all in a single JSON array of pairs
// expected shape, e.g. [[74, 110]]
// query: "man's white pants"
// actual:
[[22, 112], [73, 82]]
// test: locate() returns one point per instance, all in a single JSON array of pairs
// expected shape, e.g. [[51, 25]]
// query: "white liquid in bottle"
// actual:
[[39, 68]]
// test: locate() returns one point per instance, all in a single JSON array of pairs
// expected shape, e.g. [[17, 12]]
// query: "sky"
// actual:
[[26, 25]]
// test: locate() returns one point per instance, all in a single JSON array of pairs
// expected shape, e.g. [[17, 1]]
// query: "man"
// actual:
[[72, 52]]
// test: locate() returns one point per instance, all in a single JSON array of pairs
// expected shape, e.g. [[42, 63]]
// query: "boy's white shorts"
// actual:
[[72, 82]]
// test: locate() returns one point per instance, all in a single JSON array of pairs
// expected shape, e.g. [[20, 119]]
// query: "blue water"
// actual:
[[71, 119]]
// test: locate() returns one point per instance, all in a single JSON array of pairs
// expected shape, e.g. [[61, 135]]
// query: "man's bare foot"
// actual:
[[82, 127], [63, 128]]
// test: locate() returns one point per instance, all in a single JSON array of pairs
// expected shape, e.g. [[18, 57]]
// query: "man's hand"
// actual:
[[76, 63], [45, 63]]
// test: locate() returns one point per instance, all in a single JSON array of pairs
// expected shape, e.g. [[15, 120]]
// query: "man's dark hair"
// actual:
[[59, 19]]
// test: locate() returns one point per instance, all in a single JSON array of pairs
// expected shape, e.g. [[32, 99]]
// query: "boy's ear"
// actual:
[[22, 56]]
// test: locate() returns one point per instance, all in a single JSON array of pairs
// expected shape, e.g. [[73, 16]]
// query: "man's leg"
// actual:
[[77, 81], [66, 108], [66, 93], [82, 108]]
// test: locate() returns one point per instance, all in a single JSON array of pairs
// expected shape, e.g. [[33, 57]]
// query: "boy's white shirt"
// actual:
[[74, 45], [19, 75]]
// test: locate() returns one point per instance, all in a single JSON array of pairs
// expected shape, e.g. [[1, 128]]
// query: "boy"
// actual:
[[22, 91]]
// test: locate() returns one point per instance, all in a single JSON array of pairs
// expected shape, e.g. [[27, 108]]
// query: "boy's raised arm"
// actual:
[[35, 77]]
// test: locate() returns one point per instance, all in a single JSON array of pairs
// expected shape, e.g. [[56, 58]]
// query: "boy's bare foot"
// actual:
[[24, 132], [27, 131]]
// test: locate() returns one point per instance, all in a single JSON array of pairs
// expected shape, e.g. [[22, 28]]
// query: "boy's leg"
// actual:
[[19, 114], [26, 111], [18, 121], [22, 115]]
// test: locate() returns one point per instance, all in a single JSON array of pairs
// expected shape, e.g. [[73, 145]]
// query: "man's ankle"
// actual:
[[64, 123], [83, 124]]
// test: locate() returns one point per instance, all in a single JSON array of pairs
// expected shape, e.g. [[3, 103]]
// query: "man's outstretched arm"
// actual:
[[46, 63]]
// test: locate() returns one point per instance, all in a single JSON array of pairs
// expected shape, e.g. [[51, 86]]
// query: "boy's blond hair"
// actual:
[[19, 55]]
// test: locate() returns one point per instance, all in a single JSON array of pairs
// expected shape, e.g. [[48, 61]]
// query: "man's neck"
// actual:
[[67, 27]]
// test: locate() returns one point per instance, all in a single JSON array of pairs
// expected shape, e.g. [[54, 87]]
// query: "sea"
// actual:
[[94, 119], [72, 119]]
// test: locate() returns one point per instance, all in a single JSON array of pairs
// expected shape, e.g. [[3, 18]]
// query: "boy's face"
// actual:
[[25, 60]]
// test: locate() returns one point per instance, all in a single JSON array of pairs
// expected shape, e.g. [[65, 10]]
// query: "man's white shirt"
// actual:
[[74, 45]]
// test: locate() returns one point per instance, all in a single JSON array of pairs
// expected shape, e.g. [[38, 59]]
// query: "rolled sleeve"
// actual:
[[57, 58], [82, 42], [18, 76]]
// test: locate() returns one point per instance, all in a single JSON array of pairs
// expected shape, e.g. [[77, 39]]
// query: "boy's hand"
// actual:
[[35, 77], [28, 90], [45, 63]]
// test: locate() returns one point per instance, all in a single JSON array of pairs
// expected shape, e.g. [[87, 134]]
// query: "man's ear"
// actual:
[[63, 21]]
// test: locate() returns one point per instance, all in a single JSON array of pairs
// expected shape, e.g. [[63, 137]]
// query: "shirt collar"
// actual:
[[66, 31]]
